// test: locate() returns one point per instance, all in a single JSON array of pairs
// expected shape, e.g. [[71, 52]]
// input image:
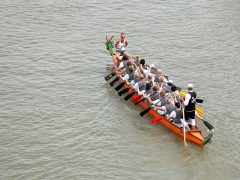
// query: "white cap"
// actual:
[[170, 81], [190, 85]]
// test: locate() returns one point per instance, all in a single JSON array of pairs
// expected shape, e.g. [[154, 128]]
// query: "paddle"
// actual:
[[110, 76], [123, 91], [199, 100], [184, 130], [207, 124], [129, 96], [113, 82], [120, 86], [145, 111]]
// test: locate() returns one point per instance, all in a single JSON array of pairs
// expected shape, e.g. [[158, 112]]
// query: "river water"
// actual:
[[59, 118]]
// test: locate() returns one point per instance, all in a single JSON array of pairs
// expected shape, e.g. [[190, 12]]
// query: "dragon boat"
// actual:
[[195, 136]]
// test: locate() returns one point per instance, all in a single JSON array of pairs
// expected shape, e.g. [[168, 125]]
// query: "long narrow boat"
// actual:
[[195, 136]]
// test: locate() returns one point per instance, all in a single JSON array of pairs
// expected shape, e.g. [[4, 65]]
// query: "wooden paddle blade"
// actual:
[[136, 99], [199, 100], [109, 76], [145, 111], [129, 96], [113, 82], [208, 125], [123, 91], [120, 86], [139, 101]]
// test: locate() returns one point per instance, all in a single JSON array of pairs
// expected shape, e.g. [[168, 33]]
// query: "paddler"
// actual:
[[167, 108], [176, 116]]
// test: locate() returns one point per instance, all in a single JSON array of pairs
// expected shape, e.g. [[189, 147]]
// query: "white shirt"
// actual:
[[157, 102], [187, 99], [126, 77], [136, 87], [173, 114], [121, 46], [121, 65]]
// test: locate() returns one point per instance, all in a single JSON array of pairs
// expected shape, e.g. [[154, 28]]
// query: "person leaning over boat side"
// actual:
[[190, 106], [121, 45]]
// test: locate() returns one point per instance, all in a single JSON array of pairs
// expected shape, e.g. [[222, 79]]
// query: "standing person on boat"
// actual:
[[190, 106], [121, 45]]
